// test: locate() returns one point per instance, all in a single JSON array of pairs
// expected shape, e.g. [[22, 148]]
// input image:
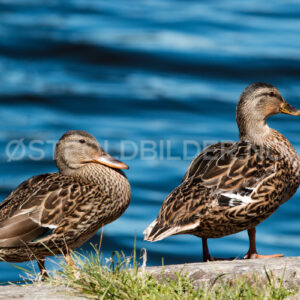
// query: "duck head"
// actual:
[[77, 148], [258, 102]]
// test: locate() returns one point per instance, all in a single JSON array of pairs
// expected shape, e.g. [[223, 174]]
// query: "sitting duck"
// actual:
[[54, 213]]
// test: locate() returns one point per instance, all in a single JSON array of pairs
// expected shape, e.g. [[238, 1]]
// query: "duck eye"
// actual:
[[271, 94], [81, 141]]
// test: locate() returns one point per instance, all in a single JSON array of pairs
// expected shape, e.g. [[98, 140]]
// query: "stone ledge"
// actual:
[[36, 291], [201, 274], [206, 273]]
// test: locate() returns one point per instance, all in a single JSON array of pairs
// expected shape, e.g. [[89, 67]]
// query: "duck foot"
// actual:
[[206, 259], [206, 255], [69, 260], [45, 275], [43, 270], [259, 256], [252, 253]]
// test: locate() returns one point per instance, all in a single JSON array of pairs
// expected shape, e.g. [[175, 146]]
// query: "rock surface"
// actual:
[[200, 273], [206, 273], [36, 291]]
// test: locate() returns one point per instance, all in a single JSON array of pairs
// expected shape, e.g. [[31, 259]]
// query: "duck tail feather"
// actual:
[[156, 232]]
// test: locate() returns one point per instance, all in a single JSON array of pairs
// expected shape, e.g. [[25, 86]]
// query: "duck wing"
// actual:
[[37, 207], [222, 187]]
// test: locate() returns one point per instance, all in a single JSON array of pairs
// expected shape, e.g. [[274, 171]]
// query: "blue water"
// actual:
[[153, 81]]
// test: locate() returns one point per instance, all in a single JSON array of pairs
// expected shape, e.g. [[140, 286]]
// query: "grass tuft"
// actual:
[[120, 277]]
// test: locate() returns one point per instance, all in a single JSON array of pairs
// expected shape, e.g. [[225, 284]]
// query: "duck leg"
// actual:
[[69, 260], [206, 255], [43, 270], [68, 257], [252, 253]]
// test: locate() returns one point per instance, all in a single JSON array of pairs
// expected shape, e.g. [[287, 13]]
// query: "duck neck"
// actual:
[[260, 134], [254, 131], [100, 175]]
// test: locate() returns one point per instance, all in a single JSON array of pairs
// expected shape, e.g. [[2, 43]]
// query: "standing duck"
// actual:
[[56, 212], [230, 187]]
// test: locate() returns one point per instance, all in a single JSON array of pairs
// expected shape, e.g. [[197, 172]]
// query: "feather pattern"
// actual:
[[227, 188], [230, 187], [52, 213]]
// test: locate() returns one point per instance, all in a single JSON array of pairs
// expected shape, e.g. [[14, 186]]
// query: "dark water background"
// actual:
[[155, 73]]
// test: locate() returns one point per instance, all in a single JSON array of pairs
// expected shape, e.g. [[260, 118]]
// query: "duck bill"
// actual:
[[290, 110], [107, 160]]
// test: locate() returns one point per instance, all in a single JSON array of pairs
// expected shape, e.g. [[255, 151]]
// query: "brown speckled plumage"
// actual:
[[54, 213], [230, 187]]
